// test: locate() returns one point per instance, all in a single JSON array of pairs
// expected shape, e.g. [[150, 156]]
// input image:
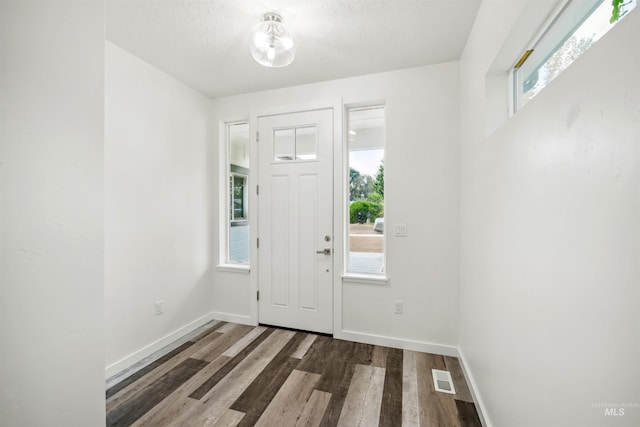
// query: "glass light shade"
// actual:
[[272, 43]]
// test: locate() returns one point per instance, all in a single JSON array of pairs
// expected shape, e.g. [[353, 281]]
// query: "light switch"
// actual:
[[400, 230]]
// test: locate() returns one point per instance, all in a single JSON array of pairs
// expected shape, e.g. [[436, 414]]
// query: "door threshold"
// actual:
[[286, 328]]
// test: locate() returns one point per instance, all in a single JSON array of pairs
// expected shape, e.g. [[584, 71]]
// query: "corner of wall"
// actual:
[[475, 392]]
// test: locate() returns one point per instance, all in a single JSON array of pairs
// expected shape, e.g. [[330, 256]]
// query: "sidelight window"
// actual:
[[366, 204], [238, 174]]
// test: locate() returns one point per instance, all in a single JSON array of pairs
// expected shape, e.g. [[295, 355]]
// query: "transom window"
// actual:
[[578, 25]]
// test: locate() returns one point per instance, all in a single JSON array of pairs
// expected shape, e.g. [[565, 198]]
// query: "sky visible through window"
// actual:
[[598, 23], [366, 161]]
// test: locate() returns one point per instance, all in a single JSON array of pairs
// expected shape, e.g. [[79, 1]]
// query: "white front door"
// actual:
[[295, 255]]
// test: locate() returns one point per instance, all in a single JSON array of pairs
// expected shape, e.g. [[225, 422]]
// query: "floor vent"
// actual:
[[442, 381]]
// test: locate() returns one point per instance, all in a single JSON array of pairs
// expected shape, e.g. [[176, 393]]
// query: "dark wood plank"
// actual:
[[135, 408], [304, 346], [208, 331], [144, 371], [228, 367], [336, 366], [459, 382], [379, 356], [436, 408], [341, 354], [255, 399], [324, 358], [362, 353], [314, 361], [391, 410], [212, 350], [326, 350], [468, 414]]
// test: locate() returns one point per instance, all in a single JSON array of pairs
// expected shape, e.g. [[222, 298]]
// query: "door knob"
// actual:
[[326, 251]]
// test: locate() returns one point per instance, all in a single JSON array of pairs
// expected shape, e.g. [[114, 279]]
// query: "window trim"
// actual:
[[365, 278]]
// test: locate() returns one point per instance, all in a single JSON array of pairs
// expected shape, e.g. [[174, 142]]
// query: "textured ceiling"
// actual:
[[205, 43]]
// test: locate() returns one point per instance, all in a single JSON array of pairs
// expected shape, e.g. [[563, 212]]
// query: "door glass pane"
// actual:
[[295, 144], [284, 145], [306, 143], [366, 139]]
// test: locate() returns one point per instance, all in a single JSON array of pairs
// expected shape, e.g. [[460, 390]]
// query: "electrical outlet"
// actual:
[[159, 308], [397, 307]]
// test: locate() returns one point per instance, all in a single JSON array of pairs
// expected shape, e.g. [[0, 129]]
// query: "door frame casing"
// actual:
[[338, 194]]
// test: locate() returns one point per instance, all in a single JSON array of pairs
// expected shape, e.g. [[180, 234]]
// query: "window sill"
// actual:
[[369, 279], [234, 268]]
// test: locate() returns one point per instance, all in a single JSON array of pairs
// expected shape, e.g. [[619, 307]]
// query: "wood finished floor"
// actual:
[[238, 375]]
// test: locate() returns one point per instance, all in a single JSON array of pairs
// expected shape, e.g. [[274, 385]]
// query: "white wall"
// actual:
[[422, 191], [158, 186], [51, 248], [550, 248]]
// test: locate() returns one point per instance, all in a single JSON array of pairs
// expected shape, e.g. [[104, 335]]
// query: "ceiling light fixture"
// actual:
[[272, 43]]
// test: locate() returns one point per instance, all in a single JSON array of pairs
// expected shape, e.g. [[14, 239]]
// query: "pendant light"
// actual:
[[272, 43]]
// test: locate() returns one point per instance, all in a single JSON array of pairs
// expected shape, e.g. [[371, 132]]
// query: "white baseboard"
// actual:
[[471, 383], [403, 344], [148, 350], [234, 318]]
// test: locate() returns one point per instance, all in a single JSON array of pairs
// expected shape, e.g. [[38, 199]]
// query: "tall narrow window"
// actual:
[[366, 139], [238, 193]]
